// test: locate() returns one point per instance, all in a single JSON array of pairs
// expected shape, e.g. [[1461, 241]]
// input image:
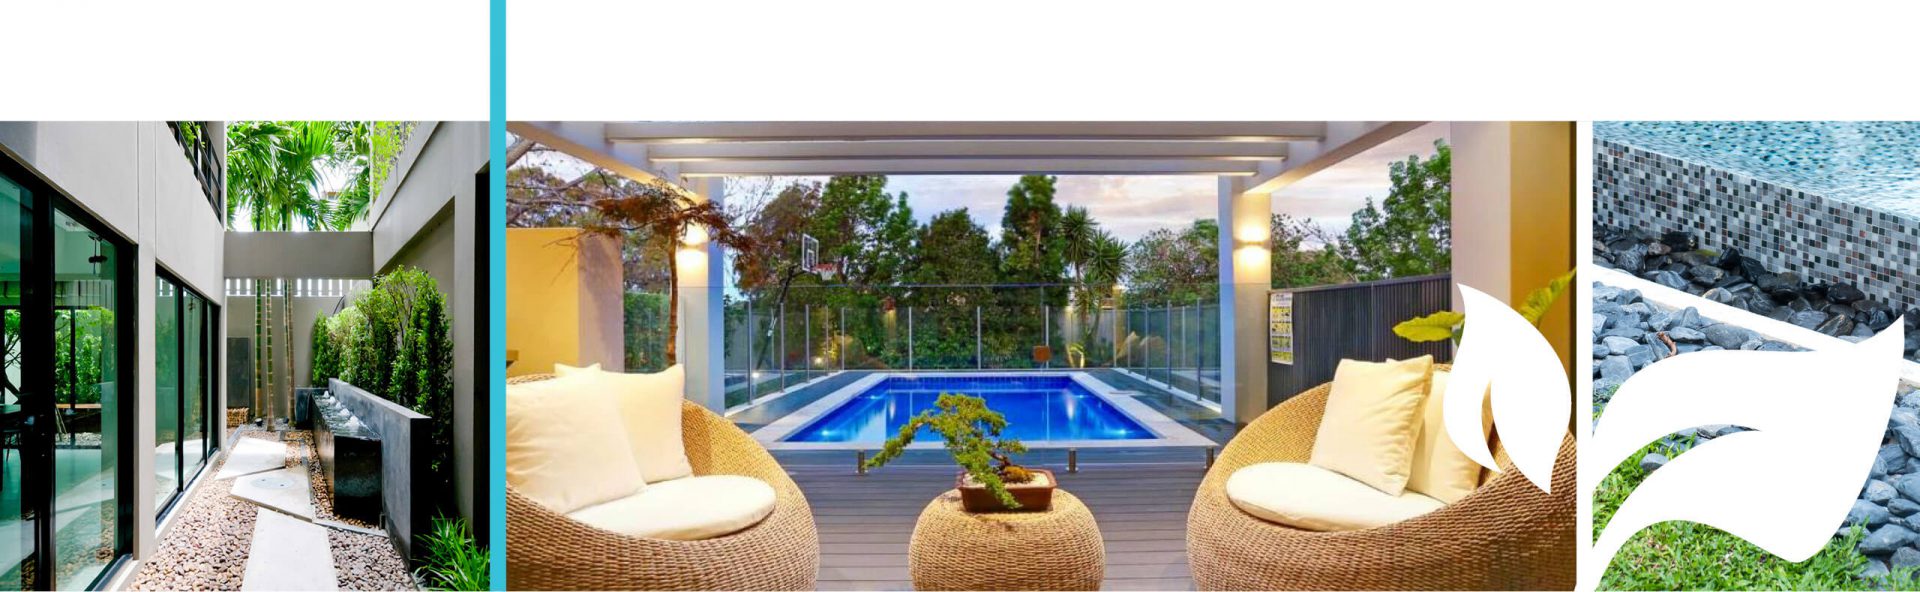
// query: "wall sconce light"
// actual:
[[695, 235]]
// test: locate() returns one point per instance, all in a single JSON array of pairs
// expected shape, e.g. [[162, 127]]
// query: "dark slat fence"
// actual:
[[1331, 323]]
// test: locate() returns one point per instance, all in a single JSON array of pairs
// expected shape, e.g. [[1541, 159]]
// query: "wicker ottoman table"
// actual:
[[1058, 549]]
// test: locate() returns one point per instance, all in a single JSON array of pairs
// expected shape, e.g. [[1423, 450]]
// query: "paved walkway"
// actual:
[[288, 551]]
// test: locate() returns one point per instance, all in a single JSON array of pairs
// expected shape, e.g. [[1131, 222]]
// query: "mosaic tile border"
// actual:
[[1784, 228]]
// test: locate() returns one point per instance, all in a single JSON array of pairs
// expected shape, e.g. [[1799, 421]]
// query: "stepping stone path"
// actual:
[[253, 455], [289, 550], [284, 490], [288, 554]]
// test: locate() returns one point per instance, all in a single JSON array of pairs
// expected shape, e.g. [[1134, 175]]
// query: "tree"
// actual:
[[1030, 242], [1168, 267], [956, 263], [1297, 265], [1411, 233]]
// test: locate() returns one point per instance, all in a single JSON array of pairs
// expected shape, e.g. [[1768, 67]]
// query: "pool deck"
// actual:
[[1139, 495]]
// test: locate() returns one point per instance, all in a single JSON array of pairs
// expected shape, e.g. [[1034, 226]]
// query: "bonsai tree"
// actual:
[[972, 433]]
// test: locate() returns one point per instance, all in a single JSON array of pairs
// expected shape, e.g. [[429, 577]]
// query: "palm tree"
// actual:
[[276, 172], [1096, 260]]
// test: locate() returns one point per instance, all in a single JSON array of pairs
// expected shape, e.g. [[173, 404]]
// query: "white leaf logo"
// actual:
[[1531, 396], [1816, 419]]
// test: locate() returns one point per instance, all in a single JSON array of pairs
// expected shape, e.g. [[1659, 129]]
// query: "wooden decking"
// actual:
[[866, 521]]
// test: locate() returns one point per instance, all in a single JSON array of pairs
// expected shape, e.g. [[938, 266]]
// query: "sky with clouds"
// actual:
[[1132, 205]]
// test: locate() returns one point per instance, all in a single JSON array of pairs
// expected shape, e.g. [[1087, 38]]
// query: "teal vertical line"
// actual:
[[497, 318]]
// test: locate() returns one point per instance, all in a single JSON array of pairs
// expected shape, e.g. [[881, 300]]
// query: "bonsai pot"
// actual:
[[1036, 495]]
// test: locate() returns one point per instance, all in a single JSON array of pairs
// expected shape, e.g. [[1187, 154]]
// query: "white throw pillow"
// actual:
[[1440, 470], [1312, 498], [565, 370], [690, 509], [1372, 420], [650, 407], [566, 447]]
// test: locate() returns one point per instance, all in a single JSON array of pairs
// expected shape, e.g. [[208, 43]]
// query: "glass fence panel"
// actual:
[[1011, 337], [737, 368], [1208, 369], [943, 338]]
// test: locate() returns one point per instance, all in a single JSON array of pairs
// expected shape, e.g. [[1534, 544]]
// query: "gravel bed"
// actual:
[[1627, 337], [367, 562], [1674, 260], [207, 548]]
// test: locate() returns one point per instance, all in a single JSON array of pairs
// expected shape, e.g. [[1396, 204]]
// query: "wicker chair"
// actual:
[[1506, 535], [548, 551]]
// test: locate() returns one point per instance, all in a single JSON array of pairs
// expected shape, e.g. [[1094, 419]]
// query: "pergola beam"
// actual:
[[1344, 140], [587, 141], [958, 149], [970, 166], [731, 131]]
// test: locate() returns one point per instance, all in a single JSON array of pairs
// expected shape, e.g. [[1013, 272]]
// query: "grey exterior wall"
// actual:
[[1356, 321], [134, 179], [239, 313], [426, 217], [1786, 229]]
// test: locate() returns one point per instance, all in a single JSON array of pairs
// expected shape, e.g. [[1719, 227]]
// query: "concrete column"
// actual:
[[702, 338], [1513, 215], [1245, 276]]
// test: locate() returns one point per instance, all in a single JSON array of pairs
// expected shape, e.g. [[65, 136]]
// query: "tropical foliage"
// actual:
[[278, 172], [1448, 324], [452, 560], [396, 342]]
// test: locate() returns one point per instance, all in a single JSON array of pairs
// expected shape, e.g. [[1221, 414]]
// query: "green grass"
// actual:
[[1690, 556], [453, 561]]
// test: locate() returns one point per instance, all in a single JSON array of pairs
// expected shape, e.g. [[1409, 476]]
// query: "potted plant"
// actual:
[[989, 480]]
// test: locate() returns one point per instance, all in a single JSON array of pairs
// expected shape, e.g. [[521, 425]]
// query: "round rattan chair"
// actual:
[[549, 551], [1506, 535]]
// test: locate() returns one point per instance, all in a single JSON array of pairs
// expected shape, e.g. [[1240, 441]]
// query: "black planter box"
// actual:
[[408, 501], [303, 407], [349, 457]]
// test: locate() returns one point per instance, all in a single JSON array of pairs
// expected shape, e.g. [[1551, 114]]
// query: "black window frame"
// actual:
[[37, 378]]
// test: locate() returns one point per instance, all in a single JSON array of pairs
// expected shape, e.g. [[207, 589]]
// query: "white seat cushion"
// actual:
[[689, 509], [1312, 498]]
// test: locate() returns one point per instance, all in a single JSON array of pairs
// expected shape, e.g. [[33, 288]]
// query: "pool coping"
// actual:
[[1167, 431]]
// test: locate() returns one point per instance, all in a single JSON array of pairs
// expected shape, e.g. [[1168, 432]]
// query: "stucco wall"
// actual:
[[564, 302]]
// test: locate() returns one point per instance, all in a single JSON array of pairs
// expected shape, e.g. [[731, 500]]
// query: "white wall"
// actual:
[[133, 178]]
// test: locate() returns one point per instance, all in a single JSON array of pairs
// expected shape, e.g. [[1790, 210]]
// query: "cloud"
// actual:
[[1330, 196]]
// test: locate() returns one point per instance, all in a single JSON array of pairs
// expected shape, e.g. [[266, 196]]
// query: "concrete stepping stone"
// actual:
[[284, 490], [253, 455], [288, 554]]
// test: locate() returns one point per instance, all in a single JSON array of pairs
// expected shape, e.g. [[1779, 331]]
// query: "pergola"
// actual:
[[1250, 159]]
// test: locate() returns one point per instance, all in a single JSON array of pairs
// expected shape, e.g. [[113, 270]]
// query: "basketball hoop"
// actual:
[[826, 271]]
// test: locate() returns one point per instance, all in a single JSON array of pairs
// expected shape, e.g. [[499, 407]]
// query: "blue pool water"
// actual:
[[1038, 408], [1870, 163]]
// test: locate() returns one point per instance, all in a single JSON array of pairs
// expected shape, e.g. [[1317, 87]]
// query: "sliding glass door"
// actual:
[[65, 421], [183, 354]]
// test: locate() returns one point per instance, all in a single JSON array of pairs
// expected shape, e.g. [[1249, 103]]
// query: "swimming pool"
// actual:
[[1869, 163], [1043, 410]]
